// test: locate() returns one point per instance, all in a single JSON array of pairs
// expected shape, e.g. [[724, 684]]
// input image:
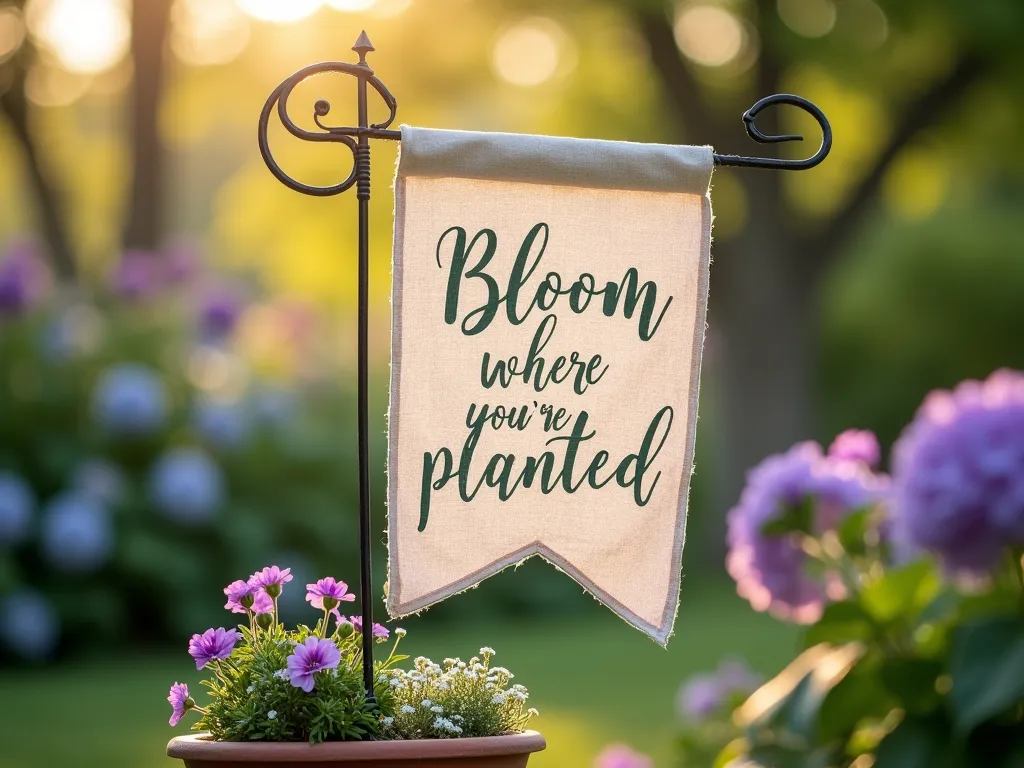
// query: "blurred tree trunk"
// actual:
[[765, 279], [150, 23], [14, 104]]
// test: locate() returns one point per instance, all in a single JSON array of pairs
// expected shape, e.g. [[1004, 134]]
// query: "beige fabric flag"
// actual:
[[548, 318]]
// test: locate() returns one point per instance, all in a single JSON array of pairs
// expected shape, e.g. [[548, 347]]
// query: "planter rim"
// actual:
[[200, 746]]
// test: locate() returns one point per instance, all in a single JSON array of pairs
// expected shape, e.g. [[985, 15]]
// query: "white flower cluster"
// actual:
[[456, 698]]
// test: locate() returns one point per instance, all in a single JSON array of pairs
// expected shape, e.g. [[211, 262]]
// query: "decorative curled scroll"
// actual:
[[349, 136], [753, 132]]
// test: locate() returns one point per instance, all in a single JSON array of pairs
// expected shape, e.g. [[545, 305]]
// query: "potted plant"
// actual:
[[286, 697]]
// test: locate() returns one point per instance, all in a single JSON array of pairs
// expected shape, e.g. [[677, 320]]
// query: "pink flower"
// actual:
[[212, 644], [856, 445], [272, 579], [241, 596], [380, 632], [180, 703], [328, 593], [262, 603], [314, 655], [622, 756]]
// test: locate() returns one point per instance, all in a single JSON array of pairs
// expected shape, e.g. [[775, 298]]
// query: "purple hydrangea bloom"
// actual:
[[241, 596], [856, 445], [180, 703], [187, 486], [335, 592], [380, 632], [219, 311], [703, 696], [130, 399], [77, 534], [138, 274], [958, 473], [29, 625], [22, 278], [769, 570], [212, 644], [314, 655], [17, 503]]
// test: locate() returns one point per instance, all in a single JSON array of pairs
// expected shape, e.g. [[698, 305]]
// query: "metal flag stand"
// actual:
[[357, 139]]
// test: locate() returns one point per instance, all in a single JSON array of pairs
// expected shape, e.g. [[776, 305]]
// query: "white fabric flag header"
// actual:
[[549, 307]]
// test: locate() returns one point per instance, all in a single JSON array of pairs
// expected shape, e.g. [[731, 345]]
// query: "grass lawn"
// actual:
[[594, 680]]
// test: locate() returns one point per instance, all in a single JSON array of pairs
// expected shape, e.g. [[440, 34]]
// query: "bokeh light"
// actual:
[[352, 6], [12, 32], [48, 85], [280, 10], [206, 32], [530, 52], [865, 22], [709, 35], [86, 36], [809, 18]]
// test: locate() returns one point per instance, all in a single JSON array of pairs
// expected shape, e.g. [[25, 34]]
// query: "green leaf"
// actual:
[[794, 518], [917, 742], [901, 593], [857, 696], [853, 530], [912, 682], [987, 666], [841, 622]]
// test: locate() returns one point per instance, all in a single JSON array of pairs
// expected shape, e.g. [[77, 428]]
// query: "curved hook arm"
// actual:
[[754, 133], [338, 134]]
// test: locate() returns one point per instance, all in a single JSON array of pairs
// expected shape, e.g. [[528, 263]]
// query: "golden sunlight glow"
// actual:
[[86, 36], [48, 85], [352, 6], [280, 10], [12, 32], [917, 184], [529, 53], [386, 9], [206, 32], [810, 18], [709, 35]]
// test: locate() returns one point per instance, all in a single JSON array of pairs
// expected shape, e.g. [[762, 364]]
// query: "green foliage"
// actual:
[[457, 699], [252, 699]]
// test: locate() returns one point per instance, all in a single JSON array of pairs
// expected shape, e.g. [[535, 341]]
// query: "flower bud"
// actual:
[[247, 601], [274, 590], [265, 620], [345, 629]]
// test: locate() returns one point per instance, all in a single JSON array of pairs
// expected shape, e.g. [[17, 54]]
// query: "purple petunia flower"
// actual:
[[958, 474], [856, 445], [180, 701], [314, 655], [271, 579], [769, 570], [379, 631], [241, 596], [212, 644], [328, 593]]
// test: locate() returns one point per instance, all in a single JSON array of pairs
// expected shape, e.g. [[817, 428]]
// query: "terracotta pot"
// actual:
[[199, 751]]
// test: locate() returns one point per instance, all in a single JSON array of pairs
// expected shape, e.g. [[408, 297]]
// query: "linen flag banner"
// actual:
[[548, 316]]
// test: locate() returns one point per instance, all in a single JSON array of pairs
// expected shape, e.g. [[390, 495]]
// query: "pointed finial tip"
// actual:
[[363, 44]]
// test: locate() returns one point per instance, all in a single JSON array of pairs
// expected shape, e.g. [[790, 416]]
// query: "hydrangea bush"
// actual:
[[911, 588], [269, 683]]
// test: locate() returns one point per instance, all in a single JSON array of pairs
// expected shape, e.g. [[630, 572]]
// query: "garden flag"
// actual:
[[548, 318]]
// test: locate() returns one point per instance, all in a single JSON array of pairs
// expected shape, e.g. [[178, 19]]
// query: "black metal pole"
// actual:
[[362, 155]]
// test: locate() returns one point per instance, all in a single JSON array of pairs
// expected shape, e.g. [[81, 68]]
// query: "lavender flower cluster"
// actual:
[[956, 491]]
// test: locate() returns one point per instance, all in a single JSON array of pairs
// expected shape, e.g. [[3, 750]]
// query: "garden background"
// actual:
[[177, 328]]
